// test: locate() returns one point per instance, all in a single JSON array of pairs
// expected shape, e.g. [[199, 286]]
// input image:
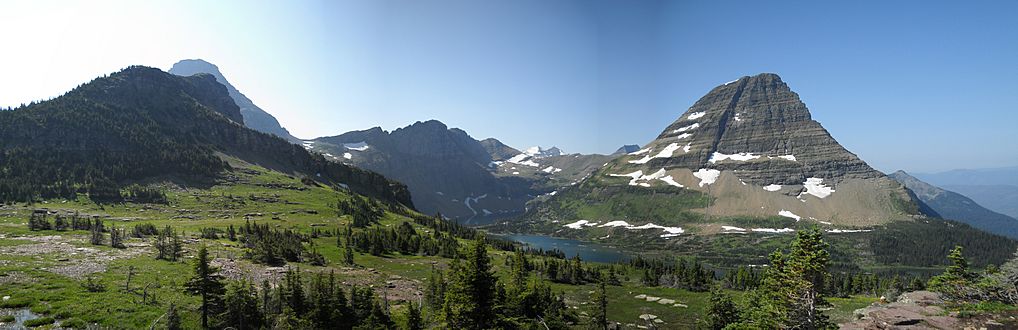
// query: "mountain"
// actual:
[[954, 206], [626, 149], [498, 150], [994, 188], [449, 172], [747, 148], [143, 124], [254, 117]]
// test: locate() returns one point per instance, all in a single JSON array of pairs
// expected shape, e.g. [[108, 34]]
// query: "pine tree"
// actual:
[[207, 283], [172, 318], [348, 252], [241, 304], [413, 317], [470, 296], [954, 283], [600, 318], [721, 311]]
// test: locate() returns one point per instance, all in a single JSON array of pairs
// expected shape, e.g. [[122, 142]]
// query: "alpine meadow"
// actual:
[[531, 164]]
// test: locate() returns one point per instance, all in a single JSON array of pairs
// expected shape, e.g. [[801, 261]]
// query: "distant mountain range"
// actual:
[[954, 206], [449, 172], [995, 188]]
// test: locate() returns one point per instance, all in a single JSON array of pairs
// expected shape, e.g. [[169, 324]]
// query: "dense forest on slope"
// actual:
[[142, 123]]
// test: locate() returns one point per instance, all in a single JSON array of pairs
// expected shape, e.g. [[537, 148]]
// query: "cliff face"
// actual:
[[758, 127]]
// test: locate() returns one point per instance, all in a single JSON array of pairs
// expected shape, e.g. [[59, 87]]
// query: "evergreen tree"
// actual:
[[348, 252], [954, 283], [207, 283], [413, 318], [721, 310], [470, 296], [600, 318], [241, 310], [172, 318]]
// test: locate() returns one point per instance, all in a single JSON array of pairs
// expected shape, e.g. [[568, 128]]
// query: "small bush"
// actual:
[[16, 303], [39, 322], [73, 323]]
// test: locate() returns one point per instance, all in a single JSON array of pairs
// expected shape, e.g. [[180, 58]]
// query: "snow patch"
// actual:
[[671, 181], [683, 136], [579, 224], [358, 146], [773, 187], [789, 214], [742, 156], [669, 231], [788, 157], [732, 228], [696, 115], [690, 127], [347, 155], [551, 169], [840, 231], [639, 152], [773, 230], [816, 187], [668, 151], [707, 176]]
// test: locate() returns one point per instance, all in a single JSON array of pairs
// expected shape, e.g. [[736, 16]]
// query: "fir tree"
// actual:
[[241, 310], [720, 311], [172, 318], [600, 318], [413, 318], [470, 296], [208, 284]]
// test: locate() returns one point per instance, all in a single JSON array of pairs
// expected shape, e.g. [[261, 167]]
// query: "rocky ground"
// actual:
[[923, 310]]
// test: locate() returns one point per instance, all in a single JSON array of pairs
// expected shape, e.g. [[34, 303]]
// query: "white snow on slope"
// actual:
[[669, 231], [639, 152], [359, 146], [347, 155], [683, 129], [788, 157], [635, 175], [840, 231], [686, 148], [773, 187], [551, 169], [668, 151], [696, 115], [816, 187], [579, 224], [772, 230], [789, 214], [742, 156], [671, 181], [683, 136], [707, 176], [732, 228]]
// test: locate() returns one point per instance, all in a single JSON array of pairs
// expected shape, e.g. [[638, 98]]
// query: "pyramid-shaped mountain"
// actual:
[[749, 148]]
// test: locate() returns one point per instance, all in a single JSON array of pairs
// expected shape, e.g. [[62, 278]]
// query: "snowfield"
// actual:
[[669, 231], [696, 115], [690, 127], [816, 187], [707, 176], [773, 230], [773, 187], [359, 146], [742, 156], [579, 224], [789, 214]]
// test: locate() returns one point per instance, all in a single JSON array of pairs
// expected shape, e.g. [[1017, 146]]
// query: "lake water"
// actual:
[[20, 316], [587, 251]]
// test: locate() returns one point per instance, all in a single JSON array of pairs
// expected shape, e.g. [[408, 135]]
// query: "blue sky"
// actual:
[[916, 85]]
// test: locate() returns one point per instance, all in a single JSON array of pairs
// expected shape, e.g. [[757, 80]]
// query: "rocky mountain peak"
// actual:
[[756, 126], [253, 116]]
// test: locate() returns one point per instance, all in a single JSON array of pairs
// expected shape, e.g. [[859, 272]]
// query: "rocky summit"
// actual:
[[752, 147], [254, 117]]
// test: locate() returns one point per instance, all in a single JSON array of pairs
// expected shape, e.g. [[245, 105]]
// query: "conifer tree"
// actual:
[[720, 311], [172, 318], [241, 307], [413, 317], [600, 318], [208, 284], [470, 295]]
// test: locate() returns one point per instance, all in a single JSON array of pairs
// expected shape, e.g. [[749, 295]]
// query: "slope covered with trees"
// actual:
[[142, 123]]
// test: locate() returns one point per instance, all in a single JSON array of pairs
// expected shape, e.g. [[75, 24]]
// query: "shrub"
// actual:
[[39, 322]]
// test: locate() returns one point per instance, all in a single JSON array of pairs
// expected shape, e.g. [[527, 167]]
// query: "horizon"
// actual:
[[586, 77]]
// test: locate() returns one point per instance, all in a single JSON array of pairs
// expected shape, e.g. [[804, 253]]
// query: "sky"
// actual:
[[924, 86]]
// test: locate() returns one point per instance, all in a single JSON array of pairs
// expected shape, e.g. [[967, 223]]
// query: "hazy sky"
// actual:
[[914, 85]]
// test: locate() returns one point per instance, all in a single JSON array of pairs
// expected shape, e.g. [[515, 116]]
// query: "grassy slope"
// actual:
[[30, 283]]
